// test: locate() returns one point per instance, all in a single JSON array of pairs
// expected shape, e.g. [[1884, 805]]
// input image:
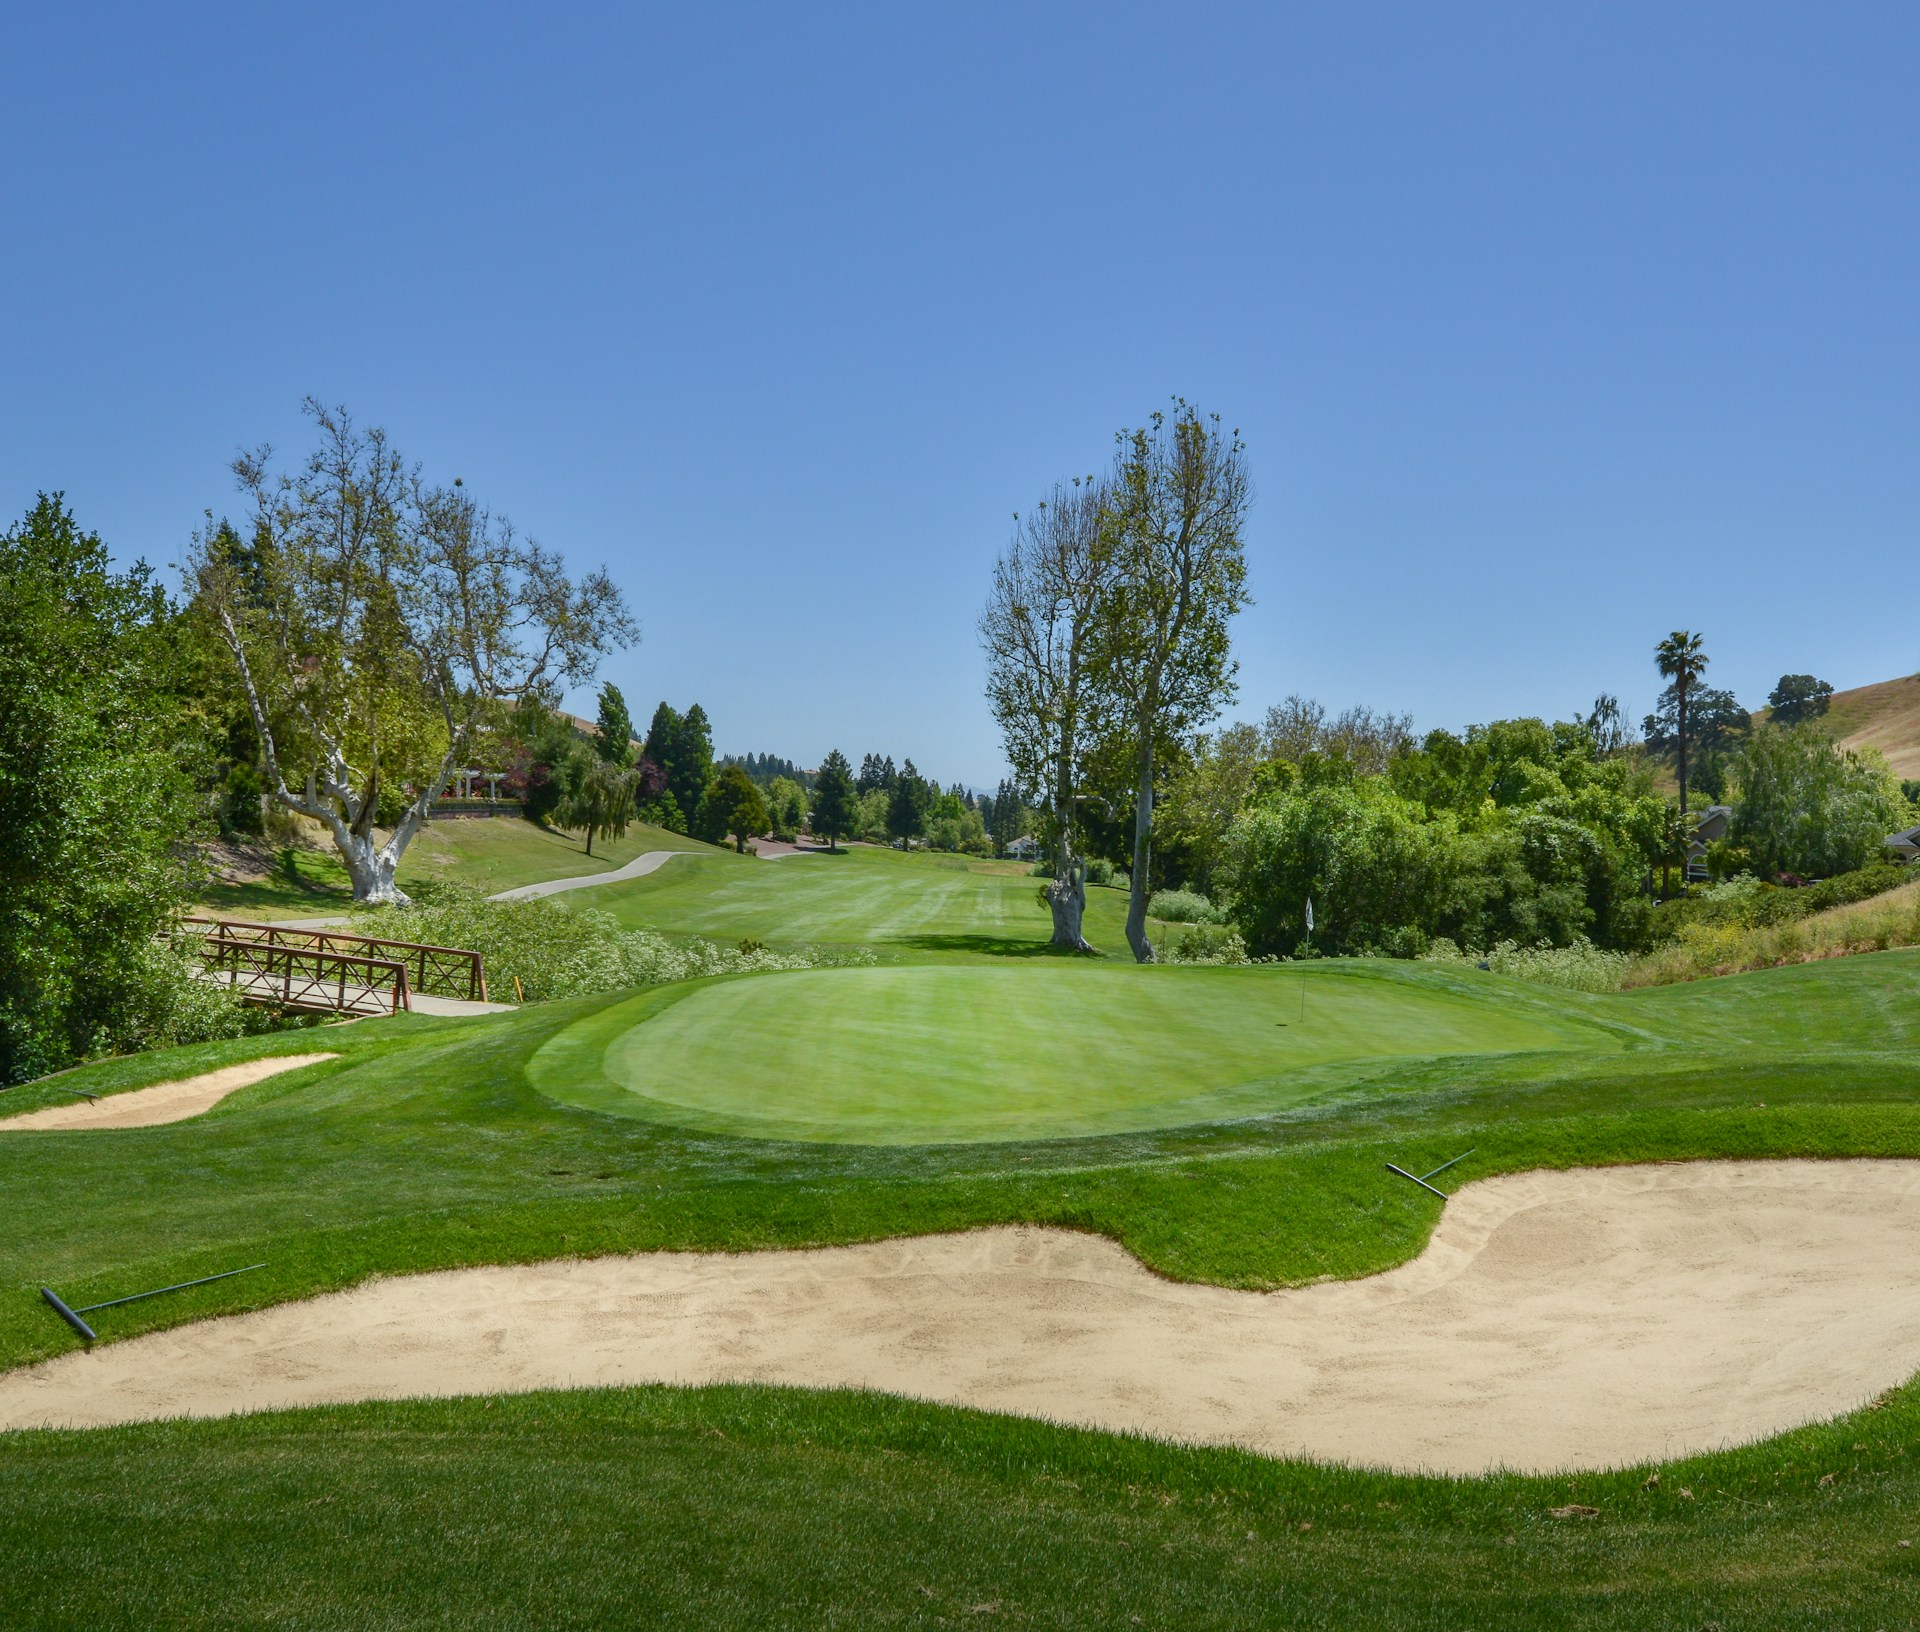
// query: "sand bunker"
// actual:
[[1557, 1321], [164, 1102]]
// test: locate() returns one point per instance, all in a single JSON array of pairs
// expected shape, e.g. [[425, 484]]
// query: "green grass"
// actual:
[[917, 903], [772, 1508], [928, 1055], [430, 1144]]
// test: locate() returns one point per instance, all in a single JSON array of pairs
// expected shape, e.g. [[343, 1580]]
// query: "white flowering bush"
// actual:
[[1581, 967], [561, 952]]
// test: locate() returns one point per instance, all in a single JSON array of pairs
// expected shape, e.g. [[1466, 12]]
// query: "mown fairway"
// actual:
[[926, 1055], [918, 903]]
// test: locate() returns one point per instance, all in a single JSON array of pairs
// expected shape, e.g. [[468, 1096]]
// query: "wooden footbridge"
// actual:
[[322, 971]]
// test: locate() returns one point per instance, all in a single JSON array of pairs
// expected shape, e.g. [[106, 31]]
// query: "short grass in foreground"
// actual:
[[772, 1508], [928, 1055]]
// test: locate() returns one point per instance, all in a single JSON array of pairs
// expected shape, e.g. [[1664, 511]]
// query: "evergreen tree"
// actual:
[[687, 779], [615, 742], [833, 798], [907, 807], [663, 740], [871, 775], [889, 777]]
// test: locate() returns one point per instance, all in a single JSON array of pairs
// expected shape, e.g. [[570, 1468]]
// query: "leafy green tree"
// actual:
[[733, 806], [1798, 698], [614, 744], [1373, 865], [602, 801], [871, 815], [907, 806], [96, 799], [380, 628], [1180, 497], [1682, 659], [786, 806], [1203, 798], [834, 812], [1806, 805], [545, 752]]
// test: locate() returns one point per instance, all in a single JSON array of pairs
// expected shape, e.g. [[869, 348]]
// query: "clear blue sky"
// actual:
[[1549, 328]]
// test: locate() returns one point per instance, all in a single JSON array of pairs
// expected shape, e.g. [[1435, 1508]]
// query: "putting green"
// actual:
[[944, 1054]]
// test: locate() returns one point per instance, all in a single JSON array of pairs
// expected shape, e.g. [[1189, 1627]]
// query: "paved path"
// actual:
[[639, 867]]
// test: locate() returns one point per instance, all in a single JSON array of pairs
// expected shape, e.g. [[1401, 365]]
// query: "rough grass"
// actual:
[[1704, 949]]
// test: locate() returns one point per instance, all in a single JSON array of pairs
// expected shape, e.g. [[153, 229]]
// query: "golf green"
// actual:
[[957, 1054]]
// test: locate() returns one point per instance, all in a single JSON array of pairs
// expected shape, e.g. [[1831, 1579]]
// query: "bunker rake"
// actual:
[[72, 1316]]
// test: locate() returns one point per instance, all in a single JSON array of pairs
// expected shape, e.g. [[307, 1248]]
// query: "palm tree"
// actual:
[[1682, 661]]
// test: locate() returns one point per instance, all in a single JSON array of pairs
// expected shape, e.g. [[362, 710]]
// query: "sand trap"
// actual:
[[1558, 1320], [165, 1101]]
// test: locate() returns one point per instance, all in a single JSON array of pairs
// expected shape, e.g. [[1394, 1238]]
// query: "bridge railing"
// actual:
[[309, 981], [444, 971]]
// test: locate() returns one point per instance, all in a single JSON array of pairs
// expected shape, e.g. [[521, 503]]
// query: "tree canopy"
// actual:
[[834, 811], [379, 624], [96, 798]]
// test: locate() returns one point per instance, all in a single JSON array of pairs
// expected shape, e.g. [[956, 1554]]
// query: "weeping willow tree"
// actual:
[[379, 625]]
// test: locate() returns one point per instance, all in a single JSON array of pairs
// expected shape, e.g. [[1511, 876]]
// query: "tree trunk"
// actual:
[[1067, 896], [1142, 857], [372, 868], [1683, 747]]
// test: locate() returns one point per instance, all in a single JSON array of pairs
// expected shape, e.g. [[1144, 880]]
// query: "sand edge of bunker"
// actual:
[[1558, 1320], [161, 1102]]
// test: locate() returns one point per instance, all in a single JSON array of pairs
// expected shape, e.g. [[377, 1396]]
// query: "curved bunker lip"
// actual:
[[163, 1102], [1556, 1321]]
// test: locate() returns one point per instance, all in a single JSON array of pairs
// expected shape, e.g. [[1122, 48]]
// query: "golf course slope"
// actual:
[[1557, 1321], [964, 1054]]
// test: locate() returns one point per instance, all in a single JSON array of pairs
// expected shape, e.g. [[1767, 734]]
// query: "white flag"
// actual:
[[1309, 915]]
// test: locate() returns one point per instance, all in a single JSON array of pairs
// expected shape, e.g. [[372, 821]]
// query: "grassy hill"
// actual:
[[499, 853], [1884, 715]]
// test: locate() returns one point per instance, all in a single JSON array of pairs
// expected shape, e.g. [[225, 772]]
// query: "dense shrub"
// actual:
[[1206, 943], [1181, 907], [1732, 942], [561, 952]]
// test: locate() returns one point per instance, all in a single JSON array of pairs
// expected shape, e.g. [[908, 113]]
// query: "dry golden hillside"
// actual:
[[1885, 715]]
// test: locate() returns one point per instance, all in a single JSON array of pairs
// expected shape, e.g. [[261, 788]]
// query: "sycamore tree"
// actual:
[[1039, 629], [379, 625], [1180, 496], [835, 808]]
